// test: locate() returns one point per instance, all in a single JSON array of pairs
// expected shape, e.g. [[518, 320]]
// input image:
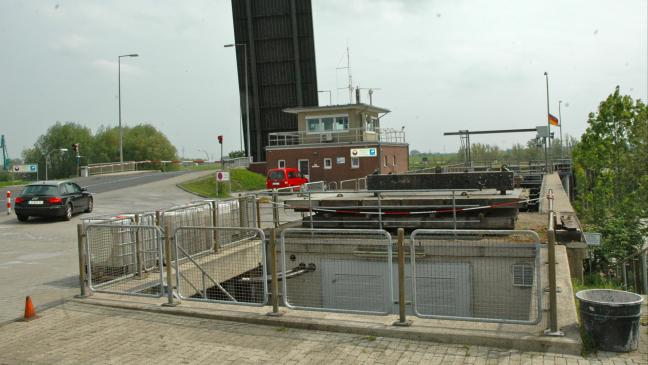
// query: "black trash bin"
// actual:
[[611, 317]]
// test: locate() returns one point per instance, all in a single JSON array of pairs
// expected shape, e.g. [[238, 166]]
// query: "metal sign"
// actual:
[[32, 168], [364, 152], [222, 175], [592, 238]]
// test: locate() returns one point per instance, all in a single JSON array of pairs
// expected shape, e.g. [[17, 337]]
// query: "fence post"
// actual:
[[138, 247], [241, 213], [275, 208], [402, 321], [258, 211], [167, 263], [551, 255], [273, 270], [310, 210], [82, 263], [644, 270], [215, 235]]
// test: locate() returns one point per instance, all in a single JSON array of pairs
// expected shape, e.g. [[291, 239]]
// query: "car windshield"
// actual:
[[276, 175], [40, 190]]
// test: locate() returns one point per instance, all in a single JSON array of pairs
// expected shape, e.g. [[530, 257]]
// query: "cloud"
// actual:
[[70, 41], [110, 67]]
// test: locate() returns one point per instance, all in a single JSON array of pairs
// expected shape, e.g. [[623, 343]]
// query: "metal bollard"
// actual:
[[167, 263], [275, 277], [402, 321], [8, 202], [82, 261]]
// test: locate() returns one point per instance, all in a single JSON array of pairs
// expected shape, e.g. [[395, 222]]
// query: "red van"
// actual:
[[284, 177]]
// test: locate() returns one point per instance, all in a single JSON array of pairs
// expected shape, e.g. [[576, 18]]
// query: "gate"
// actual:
[[337, 270], [222, 265], [124, 259], [476, 275]]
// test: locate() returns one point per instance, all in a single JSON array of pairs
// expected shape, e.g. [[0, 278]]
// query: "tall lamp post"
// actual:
[[121, 131], [247, 100], [561, 137], [548, 139], [47, 158]]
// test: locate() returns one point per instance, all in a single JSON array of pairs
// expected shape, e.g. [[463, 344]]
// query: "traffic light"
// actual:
[[75, 147], [220, 139]]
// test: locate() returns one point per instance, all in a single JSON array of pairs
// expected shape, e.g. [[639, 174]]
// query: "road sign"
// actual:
[[25, 169], [222, 176], [592, 238], [364, 152]]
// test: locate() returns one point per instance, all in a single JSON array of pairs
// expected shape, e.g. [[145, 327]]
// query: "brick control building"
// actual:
[[339, 142]]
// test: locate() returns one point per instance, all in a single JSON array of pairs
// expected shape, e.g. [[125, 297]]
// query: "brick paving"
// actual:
[[76, 333]]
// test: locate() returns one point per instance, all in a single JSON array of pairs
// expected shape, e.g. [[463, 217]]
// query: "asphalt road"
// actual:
[[39, 258]]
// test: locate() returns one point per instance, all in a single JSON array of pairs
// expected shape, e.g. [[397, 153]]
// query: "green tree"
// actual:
[[60, 135], [145, 142], [611, 176]]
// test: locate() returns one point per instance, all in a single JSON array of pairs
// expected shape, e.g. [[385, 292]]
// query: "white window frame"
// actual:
[[330, 163], [355, 162], [385, 161], [394, 160], [281, 164], [321, 124]]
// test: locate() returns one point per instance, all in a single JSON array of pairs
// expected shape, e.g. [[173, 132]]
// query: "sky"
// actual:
[[439, 66]]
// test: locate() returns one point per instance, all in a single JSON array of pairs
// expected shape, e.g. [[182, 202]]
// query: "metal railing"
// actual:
[[124, 259], [345, 136], [337, 270], [111, 167], [232, 270], [476, 275], [633, 270]]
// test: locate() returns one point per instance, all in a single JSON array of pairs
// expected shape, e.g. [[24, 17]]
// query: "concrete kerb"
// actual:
[[352, 325]]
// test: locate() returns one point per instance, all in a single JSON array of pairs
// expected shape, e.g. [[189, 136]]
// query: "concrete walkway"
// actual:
[[78, 333]]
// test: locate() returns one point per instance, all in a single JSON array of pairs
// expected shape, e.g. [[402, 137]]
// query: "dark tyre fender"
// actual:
[[22, 218], [68, 212], [90, 205]]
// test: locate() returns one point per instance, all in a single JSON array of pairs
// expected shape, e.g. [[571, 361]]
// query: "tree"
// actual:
[[60, 135], [142, 142], [611, 176]]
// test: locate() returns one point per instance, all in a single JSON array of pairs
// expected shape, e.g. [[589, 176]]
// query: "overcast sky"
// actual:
[[440, 65]]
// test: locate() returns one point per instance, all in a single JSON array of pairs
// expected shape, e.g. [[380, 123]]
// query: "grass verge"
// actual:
[[241, 180]]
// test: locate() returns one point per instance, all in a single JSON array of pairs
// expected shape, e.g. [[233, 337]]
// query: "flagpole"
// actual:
[[560, 125], [548, 140]]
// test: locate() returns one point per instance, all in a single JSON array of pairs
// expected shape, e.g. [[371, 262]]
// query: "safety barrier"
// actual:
[[124, 259], [476, 275], [337, 270], [232, 269]]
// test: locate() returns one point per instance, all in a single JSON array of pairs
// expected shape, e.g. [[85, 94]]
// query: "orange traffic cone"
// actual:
[[30, 311]]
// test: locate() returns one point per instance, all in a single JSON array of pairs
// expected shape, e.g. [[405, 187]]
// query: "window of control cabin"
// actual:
[[328, 163], [281, 164]]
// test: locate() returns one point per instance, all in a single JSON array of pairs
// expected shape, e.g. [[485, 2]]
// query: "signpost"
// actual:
[[364, 152], [222, 176], [25, 169]]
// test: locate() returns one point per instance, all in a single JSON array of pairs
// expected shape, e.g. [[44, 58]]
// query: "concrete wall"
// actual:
[[493, 294]]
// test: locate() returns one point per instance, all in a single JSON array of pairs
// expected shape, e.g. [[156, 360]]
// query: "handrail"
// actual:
[[206, 274]]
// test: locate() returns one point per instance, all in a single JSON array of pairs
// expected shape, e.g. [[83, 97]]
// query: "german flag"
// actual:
[[553, 120]]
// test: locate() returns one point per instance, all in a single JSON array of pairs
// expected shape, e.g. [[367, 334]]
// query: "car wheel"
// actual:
[[90, 204], [68, 212], [22, 218]]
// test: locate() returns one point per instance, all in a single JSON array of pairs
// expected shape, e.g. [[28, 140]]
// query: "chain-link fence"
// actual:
[[124, 259], [484, 276], [337, 270], [233, 271]]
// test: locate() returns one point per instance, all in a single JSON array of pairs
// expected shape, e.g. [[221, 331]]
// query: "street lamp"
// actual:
[[47, 158], [121, 132], [247, 101]]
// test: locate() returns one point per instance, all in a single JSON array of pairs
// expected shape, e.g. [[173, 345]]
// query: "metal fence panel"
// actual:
[[232, 270], [476, 275], [337, 270], [124, 259]]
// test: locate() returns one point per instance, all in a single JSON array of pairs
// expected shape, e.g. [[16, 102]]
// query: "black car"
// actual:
[[52, 199]]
